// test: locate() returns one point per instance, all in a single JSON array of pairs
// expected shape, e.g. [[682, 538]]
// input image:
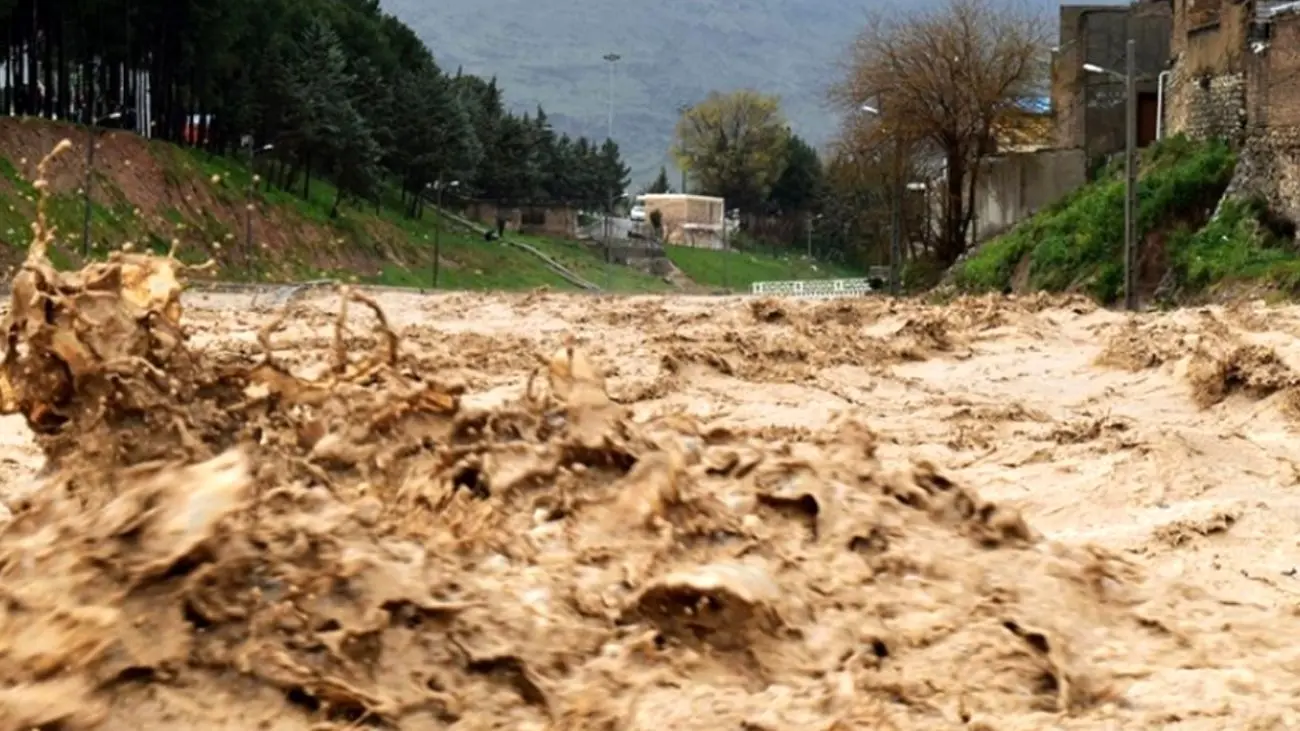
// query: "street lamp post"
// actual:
[[90, 172], [896, 210], [248, 203], [1130, 167], [437, 229], [612, 58]]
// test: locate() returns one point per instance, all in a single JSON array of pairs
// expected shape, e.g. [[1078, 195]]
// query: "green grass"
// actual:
[[738, 270], [589, 263], [363, 244], [467, 261], [1077, 244], [1234, 248]]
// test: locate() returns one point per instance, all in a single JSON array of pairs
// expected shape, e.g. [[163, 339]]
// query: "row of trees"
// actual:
[[332, 88], [925, 95]]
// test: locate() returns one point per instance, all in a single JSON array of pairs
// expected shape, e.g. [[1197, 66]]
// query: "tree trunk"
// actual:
[[33, 68], [65, 76], [47, 67], [951, 243]]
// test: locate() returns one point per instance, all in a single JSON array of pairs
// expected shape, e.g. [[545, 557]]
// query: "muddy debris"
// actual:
[[239, 537]]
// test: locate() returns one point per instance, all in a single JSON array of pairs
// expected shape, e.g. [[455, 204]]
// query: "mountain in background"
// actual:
[[674, 52]]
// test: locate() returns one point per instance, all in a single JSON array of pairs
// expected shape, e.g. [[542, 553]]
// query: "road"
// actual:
[[621, 229]]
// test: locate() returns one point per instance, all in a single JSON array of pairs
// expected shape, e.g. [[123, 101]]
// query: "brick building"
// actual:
[[546, 220], [1270, 162], [1237, 76], [1090, 108], [1207, 94]]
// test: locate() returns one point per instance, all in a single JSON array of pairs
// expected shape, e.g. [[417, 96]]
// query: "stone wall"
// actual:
[[1270, 158], [1204, 106]]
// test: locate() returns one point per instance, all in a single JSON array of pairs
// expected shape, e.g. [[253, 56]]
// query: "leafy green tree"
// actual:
[[734, 146]]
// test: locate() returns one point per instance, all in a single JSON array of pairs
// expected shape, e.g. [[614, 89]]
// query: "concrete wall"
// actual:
[[689, 220], [1013, 187], [543, 220], [1089, 108]]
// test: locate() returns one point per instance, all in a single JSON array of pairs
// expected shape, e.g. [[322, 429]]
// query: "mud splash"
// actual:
[[236, 539]]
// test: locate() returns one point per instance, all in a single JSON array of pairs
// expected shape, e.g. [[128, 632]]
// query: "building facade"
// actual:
[[1089, 108], [1236, 76]]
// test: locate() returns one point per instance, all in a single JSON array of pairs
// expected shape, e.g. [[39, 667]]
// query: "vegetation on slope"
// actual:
[[149, 195], [738, 270], [322, 89], [1185, 246]]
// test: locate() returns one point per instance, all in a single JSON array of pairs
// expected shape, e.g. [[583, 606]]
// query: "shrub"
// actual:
[[1079, 243]]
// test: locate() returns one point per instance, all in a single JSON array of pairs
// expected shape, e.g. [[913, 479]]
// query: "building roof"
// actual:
[[1041, 104], [1028, 130]]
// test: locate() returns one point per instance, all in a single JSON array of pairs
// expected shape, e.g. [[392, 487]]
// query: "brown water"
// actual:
[[562, 512]]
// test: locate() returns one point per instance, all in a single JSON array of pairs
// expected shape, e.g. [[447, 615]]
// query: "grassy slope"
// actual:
[[1078, 243], [737, 270], [151, 194]]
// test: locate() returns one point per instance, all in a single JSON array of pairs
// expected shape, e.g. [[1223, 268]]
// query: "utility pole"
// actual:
[[1129, 77], [682, 109], [437, 228], [726, 251], [1130, 179], [248, 204], [609, 236], [91, 123], [896, 214], [611, 59], [90, 177], [896, 234]]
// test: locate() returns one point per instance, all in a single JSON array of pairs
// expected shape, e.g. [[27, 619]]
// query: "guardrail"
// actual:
[[555, 266], [877, 279]]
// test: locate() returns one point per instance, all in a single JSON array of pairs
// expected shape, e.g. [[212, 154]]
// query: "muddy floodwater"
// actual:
[[580, 513]]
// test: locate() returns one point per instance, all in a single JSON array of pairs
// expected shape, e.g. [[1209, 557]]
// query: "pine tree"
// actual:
[[338, 88], [660, 184]]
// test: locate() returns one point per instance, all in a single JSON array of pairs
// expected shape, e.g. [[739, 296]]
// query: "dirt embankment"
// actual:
[[149, 194]]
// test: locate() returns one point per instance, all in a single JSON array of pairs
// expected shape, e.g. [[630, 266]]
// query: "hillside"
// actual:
[[1195, 244], [674, 52], [149, 194]]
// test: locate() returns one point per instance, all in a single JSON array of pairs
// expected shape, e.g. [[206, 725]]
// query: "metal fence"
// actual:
[[876, 281]]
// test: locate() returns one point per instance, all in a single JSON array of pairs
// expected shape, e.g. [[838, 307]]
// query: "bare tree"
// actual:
[[943, 81]]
